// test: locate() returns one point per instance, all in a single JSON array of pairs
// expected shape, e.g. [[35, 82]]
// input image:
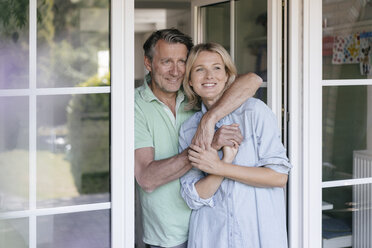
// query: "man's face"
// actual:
[[167, 66]]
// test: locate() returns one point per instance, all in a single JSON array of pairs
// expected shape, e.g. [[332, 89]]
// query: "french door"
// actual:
[[252, 32], [339, 99], [65, 118], [255, 34]]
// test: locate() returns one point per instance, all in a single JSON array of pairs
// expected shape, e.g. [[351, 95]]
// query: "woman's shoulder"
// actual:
[[251, 104], [192, 121]]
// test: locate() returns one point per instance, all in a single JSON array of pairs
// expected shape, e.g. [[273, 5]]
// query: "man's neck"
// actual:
[[168, 98]]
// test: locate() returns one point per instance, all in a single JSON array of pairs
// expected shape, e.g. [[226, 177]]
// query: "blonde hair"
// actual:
[[194, 100]]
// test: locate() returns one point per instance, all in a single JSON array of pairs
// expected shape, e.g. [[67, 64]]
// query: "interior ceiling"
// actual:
[[151, 14]]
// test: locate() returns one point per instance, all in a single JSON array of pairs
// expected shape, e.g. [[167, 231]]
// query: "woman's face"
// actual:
[[208, 77]]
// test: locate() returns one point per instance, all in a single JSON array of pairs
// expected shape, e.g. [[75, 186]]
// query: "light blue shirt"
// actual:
[[239, 215]]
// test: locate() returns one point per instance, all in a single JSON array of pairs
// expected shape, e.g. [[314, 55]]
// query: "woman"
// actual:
[[236, 194]]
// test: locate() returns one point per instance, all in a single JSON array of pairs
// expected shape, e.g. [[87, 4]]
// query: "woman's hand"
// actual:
[[229, 152], [206, 160]]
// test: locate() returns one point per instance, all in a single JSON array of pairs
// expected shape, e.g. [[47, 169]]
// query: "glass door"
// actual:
[[251, 31], [56, 121], [347, 124]]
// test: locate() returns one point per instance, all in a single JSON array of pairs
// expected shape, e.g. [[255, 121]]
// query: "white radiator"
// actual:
[[362, 195]]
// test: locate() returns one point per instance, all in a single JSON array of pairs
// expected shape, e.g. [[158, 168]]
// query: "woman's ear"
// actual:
[[190, 83], [147, 63]]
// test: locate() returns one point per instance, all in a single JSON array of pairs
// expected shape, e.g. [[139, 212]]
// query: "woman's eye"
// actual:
[[199, 69], [217, 68]]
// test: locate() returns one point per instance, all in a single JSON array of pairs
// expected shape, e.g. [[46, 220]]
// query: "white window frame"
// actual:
[[122, 127], [305, 124], [122, 123]]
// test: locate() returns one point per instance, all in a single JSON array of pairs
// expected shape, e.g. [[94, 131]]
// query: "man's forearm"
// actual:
[[160, 172]]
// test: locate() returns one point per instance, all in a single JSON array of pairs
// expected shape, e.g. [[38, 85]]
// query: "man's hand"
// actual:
[[227, 135]]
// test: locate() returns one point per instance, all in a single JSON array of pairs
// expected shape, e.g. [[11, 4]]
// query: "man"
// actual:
[[159, 113]]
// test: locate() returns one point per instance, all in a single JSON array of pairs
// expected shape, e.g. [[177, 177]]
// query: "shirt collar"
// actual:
[[203, 108]]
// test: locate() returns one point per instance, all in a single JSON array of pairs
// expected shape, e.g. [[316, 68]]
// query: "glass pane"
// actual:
[[216, 24], [347, 216], [73, 42], [347, 39], [14, 39], [251, 40], [73, 163], [251, 37], [347, 131], [14, 155], [14, 233], [76, 230]]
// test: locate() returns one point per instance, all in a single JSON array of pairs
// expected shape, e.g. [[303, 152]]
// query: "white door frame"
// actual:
[[305, 126], [122, 123]]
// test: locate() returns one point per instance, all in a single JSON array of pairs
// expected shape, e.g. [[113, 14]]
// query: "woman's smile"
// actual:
[[208, 77]]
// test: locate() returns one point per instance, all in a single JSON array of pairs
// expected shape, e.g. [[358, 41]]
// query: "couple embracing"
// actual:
[[209, 161]]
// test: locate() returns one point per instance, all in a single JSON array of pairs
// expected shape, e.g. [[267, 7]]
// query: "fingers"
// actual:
[[233, 132], [225, 134], [236, 145], [196, 148]]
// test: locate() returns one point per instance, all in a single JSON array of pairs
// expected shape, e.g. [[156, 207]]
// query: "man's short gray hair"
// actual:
[[170, 35]]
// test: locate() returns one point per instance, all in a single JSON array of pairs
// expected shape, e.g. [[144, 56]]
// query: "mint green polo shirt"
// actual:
[[165, 215]]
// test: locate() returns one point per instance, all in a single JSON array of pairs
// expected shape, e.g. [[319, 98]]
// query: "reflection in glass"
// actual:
[[76, 230], [14, 155], [14, 47], [347, 39], [251, 40], [216, 24], [73, 149], [73, 42], [347, 130], [251, 37], [14, 233], [346, 218]]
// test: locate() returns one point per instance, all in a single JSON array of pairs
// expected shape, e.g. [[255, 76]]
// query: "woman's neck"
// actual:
[[209, 103]]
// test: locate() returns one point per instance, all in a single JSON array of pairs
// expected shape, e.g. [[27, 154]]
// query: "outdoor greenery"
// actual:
[[88, 123], [66, 57]]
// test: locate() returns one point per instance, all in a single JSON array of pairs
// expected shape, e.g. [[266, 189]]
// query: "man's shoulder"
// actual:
[[137, 92]]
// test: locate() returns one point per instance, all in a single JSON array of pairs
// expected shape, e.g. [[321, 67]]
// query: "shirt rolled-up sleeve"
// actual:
[[271, 151], [188, 181], [189, 193]]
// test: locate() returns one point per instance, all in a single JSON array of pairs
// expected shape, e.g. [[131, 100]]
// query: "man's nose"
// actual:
[[175, 71]]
